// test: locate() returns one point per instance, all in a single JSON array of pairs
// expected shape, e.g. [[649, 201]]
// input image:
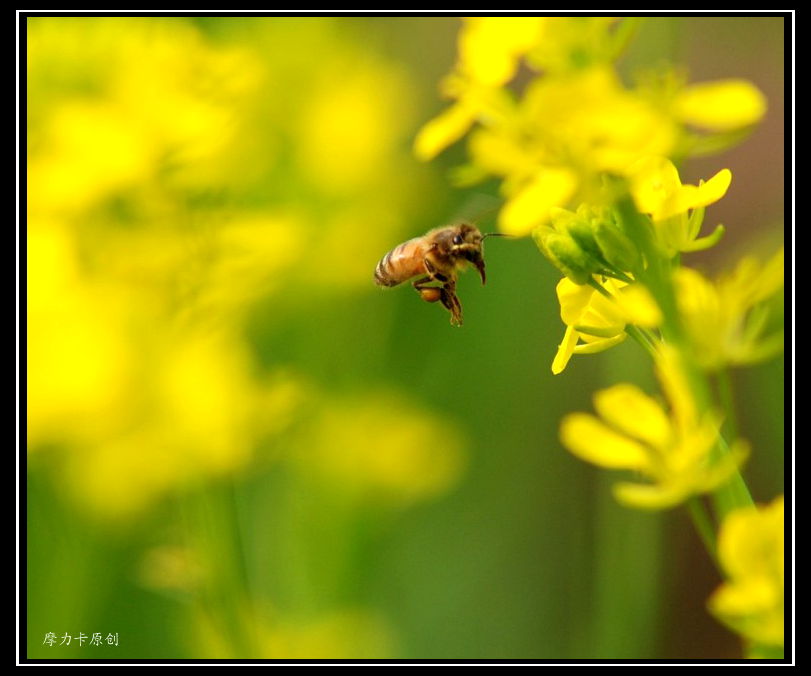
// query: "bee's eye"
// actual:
[[457, 239]]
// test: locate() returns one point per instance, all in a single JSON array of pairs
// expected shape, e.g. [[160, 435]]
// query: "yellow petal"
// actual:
[[692, 197], [573, 299], [751, 540], [677, 391], [565, 351], [530, 206], [649, 496], [500, 153], [657, 188], [751, 550], [589, 439], [604, 312], [753, 609], [629, 410], [446, 128], [721, 106], [771, 278], [489, 47], [593, 346], [712, 190], [723, 468], [639, 306], [654, 180], [754, 595]]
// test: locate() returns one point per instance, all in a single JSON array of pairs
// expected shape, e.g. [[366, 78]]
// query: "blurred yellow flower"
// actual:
[[161, 213], [342, 634], [531, 205], [345, 134], [383, 448], [573, 127], [443, 130], [599, 321], [750, 548], [672, 448], [727, 321], [590, 121], [197, 415], [170, 568], [129, 404], [490, 47], [348, 633], [575, 119], [79, 360], [721, 105], [162, 101]]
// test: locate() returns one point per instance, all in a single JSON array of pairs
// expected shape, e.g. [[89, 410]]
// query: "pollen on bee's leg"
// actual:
[[430, 294]]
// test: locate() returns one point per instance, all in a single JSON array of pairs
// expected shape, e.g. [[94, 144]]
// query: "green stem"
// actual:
[[642, 339], [734, 493], [657, 276], [728, 403], [621, 276], [212, 532], [703, 525], [650, 335], [593, 283]]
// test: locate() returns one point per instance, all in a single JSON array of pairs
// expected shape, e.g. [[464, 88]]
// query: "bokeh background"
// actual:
[[239, 447]]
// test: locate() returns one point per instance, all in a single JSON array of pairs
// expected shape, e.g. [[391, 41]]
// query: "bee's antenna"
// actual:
[[495, 234]]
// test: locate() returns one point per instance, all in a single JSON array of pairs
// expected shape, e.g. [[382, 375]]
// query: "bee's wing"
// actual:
[[476, 208]]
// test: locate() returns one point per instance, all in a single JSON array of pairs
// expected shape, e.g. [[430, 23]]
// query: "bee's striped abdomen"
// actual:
[[401, 263], [382, 275]]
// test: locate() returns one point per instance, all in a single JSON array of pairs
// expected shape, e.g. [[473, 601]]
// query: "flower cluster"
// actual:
[[575, 120], [673, 449], [164, 207], [588, 168], [750, 547]]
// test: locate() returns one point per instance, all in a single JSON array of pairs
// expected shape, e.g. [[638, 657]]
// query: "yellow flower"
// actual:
[[727, 321], [658, 191], [152, 237], [750, 548], [570, 43], [343, 447], [590, 121], [598, 321], [532, 204], [448, 127], [575, 120], [490, 47], [672, 448], [721, 105], [342, 632]]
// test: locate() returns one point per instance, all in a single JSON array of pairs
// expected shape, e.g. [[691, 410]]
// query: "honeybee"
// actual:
[[436, 258]]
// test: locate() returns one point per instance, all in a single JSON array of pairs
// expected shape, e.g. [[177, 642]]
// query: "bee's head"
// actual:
[[466, 244]]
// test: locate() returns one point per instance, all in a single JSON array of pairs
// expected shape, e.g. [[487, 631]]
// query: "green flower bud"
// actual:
[[570, 245], [616, 247], [581, 230], [567, 255]]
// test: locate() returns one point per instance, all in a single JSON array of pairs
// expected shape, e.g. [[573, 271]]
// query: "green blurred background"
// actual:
[[238, 446]]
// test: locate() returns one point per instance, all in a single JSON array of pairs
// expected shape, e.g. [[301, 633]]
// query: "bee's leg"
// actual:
[[433, 273], [451, 301], [445, 293], [430, 294]]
